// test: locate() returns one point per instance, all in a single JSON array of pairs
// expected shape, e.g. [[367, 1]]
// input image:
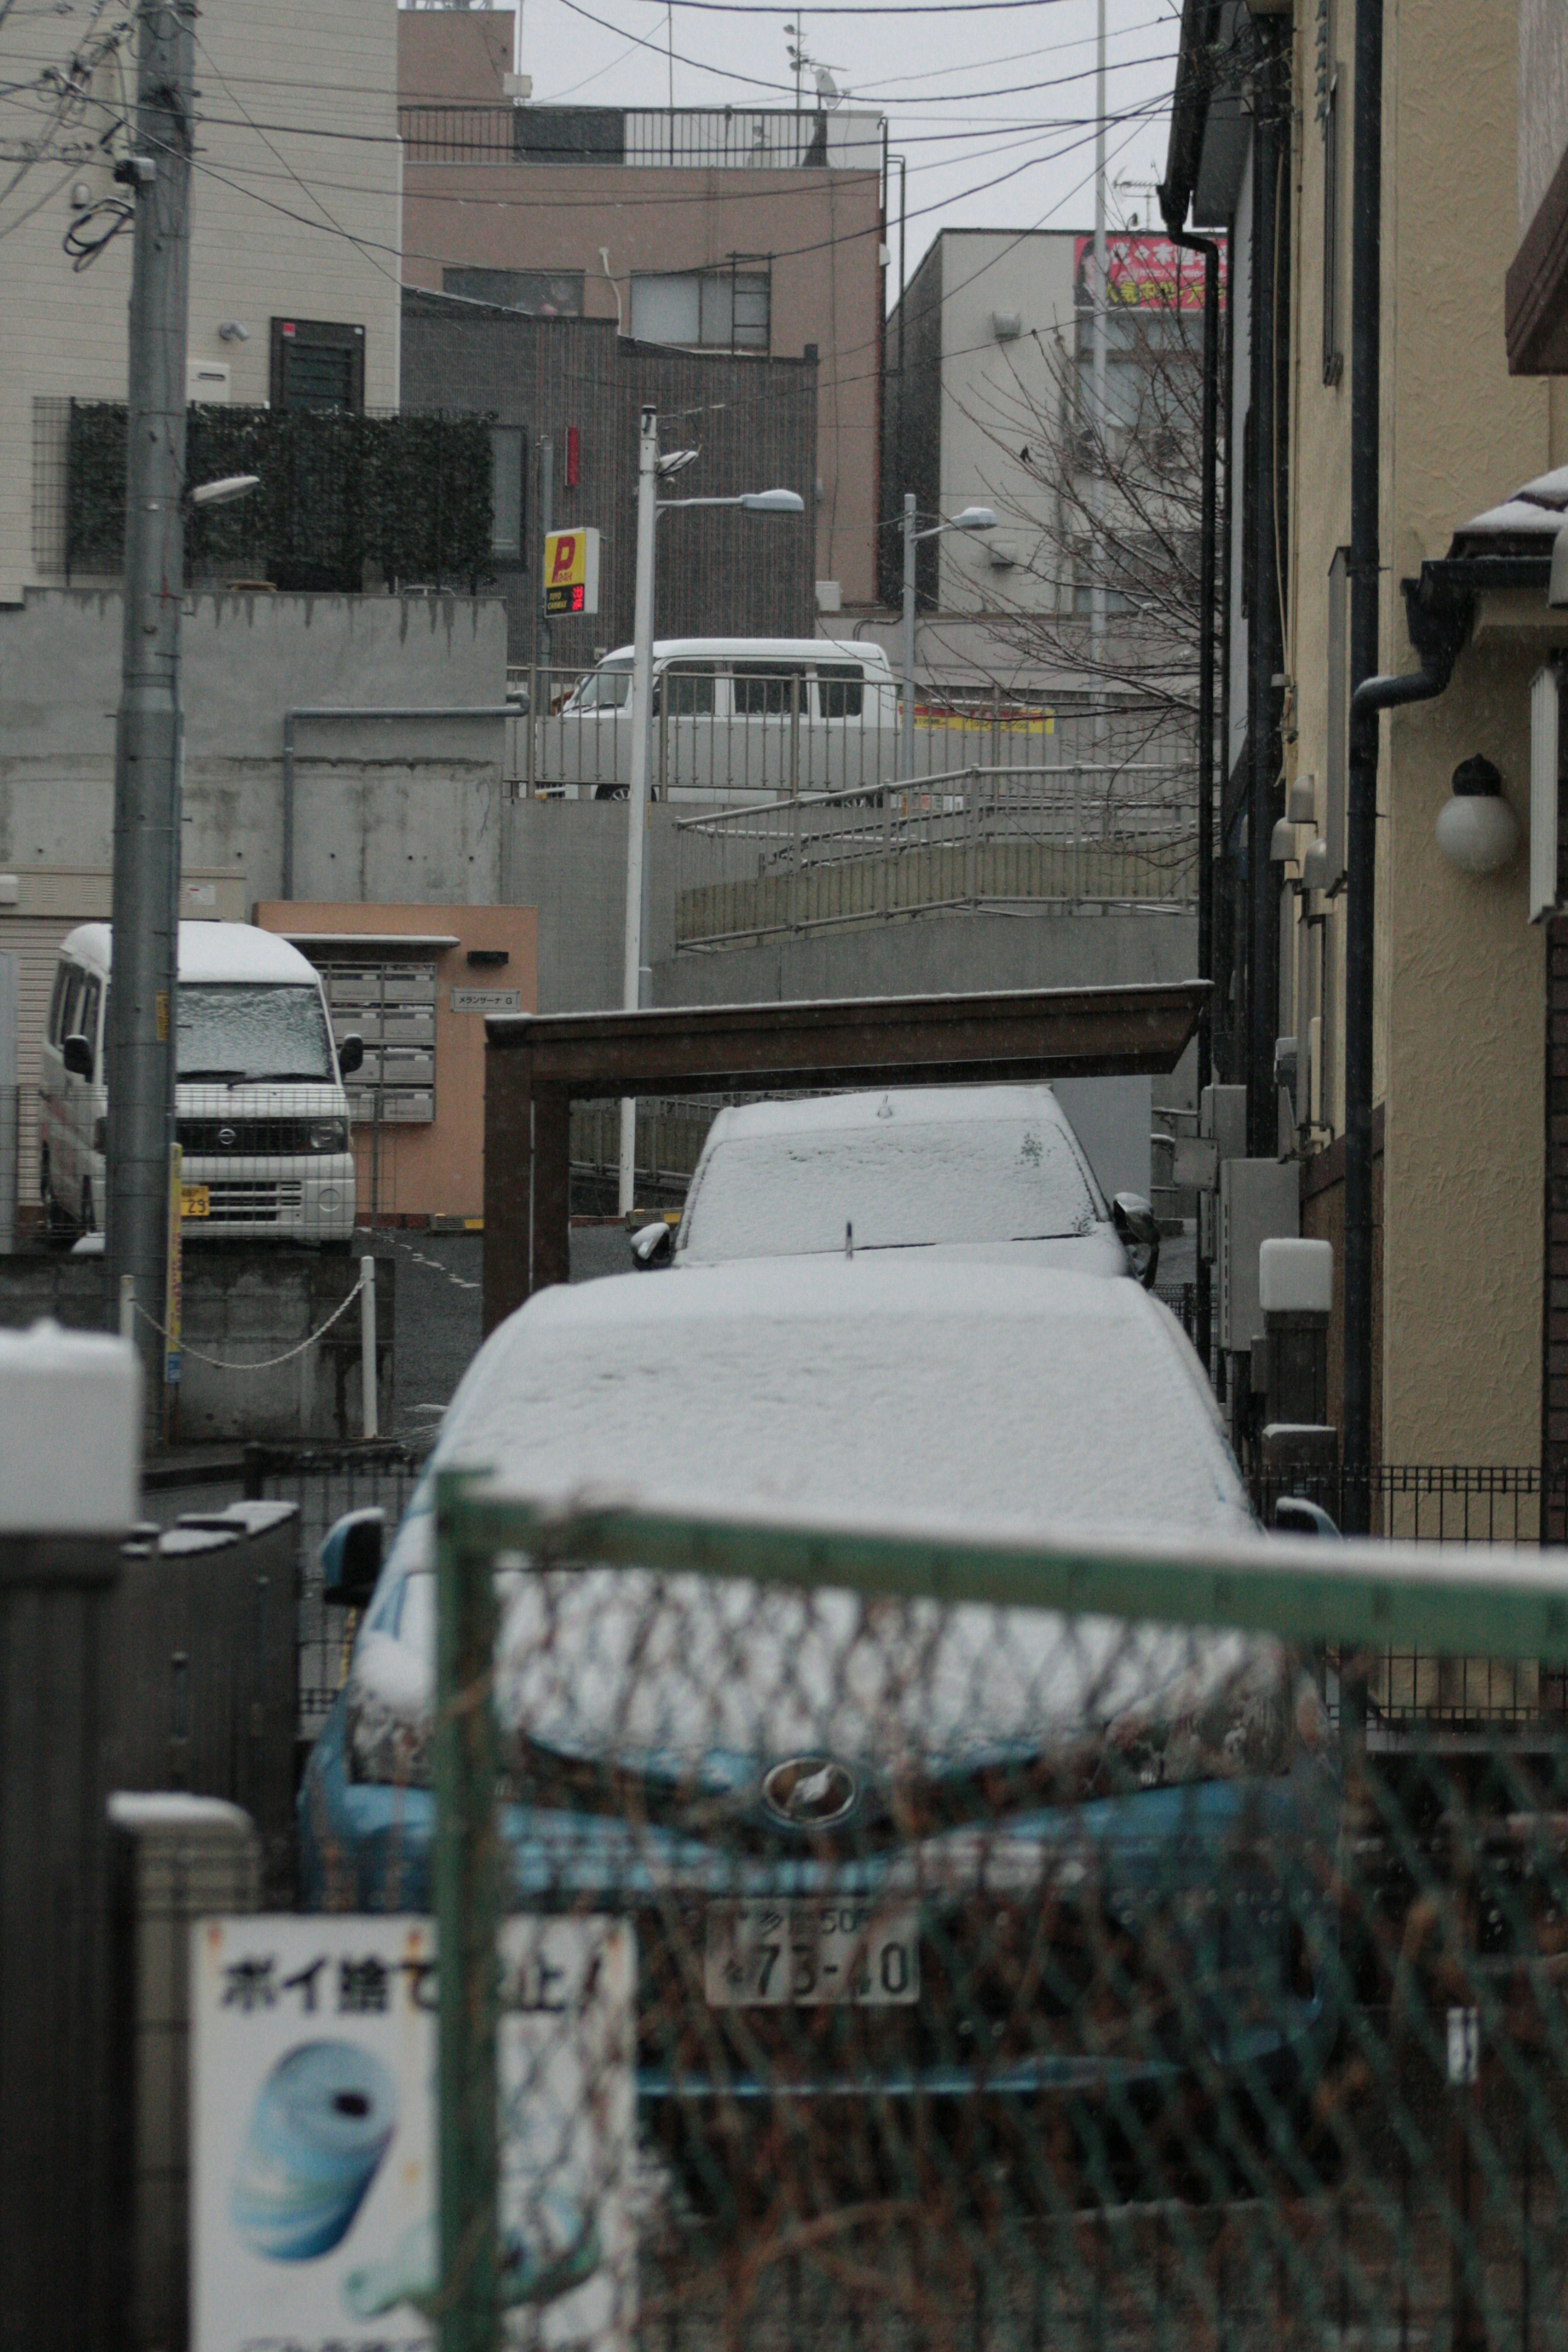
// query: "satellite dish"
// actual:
[[827, 89]]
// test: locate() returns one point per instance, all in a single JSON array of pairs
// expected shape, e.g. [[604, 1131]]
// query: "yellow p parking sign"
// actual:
[[571, 572]]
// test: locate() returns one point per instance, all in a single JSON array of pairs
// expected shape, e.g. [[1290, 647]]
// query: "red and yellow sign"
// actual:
[[1144, 272], [570, 572]]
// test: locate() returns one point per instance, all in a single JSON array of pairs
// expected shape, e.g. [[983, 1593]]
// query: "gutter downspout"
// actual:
[[1209, 248], [1361, 801], [1266, 649], [389, 712]]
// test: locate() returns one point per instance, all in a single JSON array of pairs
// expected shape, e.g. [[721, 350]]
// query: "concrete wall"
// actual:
[[997, 399], [937, 955], [411, 810], [243, 1306], [1542, 99], [259, 249]]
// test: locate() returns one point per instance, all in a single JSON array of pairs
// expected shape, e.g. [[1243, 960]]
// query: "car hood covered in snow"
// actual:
[[891, 1392]]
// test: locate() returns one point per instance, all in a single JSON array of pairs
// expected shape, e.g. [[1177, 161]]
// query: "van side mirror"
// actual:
[[351, 1054], [654, 1245], [1139, 1229], [351, 1557], [77, 1054]]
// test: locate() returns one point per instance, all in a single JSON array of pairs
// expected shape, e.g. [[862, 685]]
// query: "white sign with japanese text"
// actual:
[[313, 2146]]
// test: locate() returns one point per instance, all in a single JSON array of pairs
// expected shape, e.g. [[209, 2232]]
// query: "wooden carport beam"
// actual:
[[537, 1065]]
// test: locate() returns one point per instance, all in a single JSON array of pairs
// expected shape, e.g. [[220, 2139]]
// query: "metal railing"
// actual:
[[730, 733], [1051, 838]]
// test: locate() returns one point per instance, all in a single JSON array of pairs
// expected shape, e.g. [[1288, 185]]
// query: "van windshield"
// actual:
[[241, 1030], [609, 687]]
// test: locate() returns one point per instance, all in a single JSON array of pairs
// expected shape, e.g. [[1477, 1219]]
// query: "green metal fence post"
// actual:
[[468, 1909]]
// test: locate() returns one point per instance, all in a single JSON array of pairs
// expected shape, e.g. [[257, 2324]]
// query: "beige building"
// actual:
[[740, 230], [296, 225], [1460, 998]]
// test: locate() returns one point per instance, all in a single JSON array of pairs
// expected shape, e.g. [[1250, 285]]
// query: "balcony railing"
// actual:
[[708, 138]]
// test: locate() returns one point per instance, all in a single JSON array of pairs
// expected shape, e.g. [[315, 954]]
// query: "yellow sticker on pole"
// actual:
[[570, 572]]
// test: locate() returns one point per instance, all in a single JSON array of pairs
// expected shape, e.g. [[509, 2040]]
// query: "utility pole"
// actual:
[[141, 1042], [1096, 505], [634, 990]]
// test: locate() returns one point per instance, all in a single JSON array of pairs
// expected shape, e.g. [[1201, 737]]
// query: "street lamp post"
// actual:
[[635, 973], [972, 519]]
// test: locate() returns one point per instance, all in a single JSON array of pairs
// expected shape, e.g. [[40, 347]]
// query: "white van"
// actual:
[[260, 1107], [734, 719]]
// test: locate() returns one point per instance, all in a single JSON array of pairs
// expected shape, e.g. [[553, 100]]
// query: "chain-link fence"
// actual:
[[1019, 1959]]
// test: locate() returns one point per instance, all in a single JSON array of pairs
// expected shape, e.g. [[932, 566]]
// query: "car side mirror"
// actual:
[[1139, 1229], [654, 1245], [351, 1054], [351, 1557], [77, 1054], [1294, 1516]]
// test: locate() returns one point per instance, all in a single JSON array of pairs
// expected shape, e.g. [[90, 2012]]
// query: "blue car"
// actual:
[[874, 1850]]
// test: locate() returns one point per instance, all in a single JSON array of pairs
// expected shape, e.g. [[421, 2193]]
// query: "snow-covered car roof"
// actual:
[[904, 1167], [997, 1398], [210, 954], [896, 1394]]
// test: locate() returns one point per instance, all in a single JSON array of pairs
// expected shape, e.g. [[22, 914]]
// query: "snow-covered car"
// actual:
[[974, 1173], [1059, 1844]]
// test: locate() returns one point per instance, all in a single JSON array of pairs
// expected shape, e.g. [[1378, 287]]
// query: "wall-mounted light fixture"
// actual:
[[231, 331], [1476, 829]]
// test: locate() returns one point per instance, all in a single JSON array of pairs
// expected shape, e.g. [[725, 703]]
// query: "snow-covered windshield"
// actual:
[[900, 1186], [250, 1030]]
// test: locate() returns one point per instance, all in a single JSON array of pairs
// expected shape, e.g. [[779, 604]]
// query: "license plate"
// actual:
[[809, 1955], [194, 1201]]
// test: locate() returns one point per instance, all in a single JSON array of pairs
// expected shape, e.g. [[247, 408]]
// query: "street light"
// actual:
[[224, 491], [650, 505], [972, 519]]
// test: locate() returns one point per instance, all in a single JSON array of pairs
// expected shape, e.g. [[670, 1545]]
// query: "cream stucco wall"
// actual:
[[288, 219], [1460, 1009]]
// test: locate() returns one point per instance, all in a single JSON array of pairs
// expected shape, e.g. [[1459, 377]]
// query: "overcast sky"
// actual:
[[993, 107]]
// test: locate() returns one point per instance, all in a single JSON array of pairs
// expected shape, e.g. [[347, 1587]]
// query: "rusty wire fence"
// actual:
[[1006, 1955]]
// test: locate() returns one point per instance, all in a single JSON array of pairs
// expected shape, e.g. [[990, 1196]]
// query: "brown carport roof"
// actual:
[[537, 1063]]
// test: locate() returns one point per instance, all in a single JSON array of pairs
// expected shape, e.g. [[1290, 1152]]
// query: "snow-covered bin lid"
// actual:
[[1295, 1277], [71, 1433]]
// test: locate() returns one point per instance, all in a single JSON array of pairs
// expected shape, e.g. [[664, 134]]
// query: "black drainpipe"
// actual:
[[1361, 808], [1173, 210], [1266, 647]]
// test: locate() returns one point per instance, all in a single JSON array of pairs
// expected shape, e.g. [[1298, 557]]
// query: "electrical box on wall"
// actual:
[[1259, 1201]]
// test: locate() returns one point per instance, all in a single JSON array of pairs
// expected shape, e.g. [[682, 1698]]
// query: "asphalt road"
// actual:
[[438, 1312]]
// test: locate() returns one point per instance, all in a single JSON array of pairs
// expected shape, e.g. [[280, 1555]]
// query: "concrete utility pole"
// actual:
[[1097, 582], [141, 1040], [633, 989]]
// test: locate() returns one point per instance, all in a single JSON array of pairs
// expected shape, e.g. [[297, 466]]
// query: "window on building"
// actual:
[[505, 492], [317, 364], [705, 310], [536, 293]]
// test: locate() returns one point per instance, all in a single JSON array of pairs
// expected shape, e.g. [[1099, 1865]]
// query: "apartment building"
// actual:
[[295, 224], [748, 232], [1469, 493], [991, 402]]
